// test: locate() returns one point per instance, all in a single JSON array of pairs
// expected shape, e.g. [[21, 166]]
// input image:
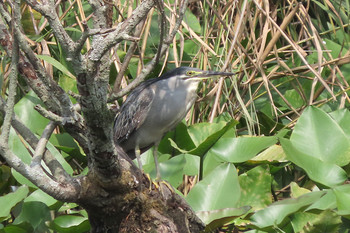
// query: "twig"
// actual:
[[41, 146], [150, 65], [16, 17]]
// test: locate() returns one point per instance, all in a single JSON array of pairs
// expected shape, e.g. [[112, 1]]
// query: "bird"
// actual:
[[154, 108]]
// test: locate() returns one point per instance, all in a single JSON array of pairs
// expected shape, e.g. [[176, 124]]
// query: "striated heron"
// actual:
[[155, 107]]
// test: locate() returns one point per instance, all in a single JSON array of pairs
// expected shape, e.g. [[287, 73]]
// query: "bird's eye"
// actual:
[[190, 72]]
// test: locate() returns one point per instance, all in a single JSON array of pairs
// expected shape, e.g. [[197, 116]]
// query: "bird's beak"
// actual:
[[212, 74]]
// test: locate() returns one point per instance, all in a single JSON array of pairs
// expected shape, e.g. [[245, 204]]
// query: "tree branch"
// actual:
[[150, 65], [55, 167], [13, 79], [121, 32], [41, 146], [36, 175]]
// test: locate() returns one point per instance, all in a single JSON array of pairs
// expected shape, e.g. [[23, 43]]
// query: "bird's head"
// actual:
[[195, 74]]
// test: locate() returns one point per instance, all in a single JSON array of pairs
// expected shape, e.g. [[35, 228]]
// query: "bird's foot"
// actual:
[[159, 185]]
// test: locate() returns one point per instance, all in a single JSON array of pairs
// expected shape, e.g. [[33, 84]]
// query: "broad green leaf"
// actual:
[[213, 194], [274, 214], [24, 109], [342, 117], [192, 21], [342, 196], [326, 221], [36, 213], [56, 64], [297, 191], [41, 196], [205, 135], [327, 201], [256, 187], [200, 132], [217, 218], [8, 201], [178, 139], [293, 97], [23, 227], [70, 224], [319, 135], [240, 149], [273, 154], [173, 169], [322, 172]]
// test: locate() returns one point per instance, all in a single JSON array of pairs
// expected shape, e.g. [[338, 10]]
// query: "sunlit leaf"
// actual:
[[256, 187], [209, 194], [275, 213], [322, 172], [216, 218], [319, 135], [70, 224]]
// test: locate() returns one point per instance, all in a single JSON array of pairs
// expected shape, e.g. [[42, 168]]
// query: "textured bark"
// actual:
[[116, 195]]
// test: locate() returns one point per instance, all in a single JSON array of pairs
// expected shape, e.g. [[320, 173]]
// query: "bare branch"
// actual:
[[121, 32], [13, 80], [150, 65], [49, 11], [64, 192], [41, 146], [55, 167]]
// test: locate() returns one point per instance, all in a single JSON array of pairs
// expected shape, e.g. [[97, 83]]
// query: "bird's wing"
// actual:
[[133, 112]]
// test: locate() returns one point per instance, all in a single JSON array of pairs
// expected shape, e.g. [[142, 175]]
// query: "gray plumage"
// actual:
[[156, 107]]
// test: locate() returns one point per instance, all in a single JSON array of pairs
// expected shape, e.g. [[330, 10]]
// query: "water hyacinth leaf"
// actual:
[[274, 214], [319, 135], [70, 224], [342, 196], [342, 117], [256, 187], [240, 149], [209, 194], [322, 172], [216, 218]]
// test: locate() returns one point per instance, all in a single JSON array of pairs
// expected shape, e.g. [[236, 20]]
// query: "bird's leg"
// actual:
[[158, 182], [138, 157], [156, 164]]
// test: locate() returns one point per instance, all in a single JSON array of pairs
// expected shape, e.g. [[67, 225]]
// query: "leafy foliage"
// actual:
[[281, 165]]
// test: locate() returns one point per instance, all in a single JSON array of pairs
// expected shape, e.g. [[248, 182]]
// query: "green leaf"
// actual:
[[342, 117], [217, 218], [273, 154], [278, 211], [192, 21], [205, 135], [56, 64], [70, 224], [325, 202], [297, 191], [24, 227], [25, 111], [320, 136], [8, 201], [322, 172], [209, 194], [35, 213], [342, 195], [256, 187], [41, 196], [240, 149], [326, 221]]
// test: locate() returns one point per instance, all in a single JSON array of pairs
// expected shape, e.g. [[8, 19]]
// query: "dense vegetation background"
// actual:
[[266, 150]]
